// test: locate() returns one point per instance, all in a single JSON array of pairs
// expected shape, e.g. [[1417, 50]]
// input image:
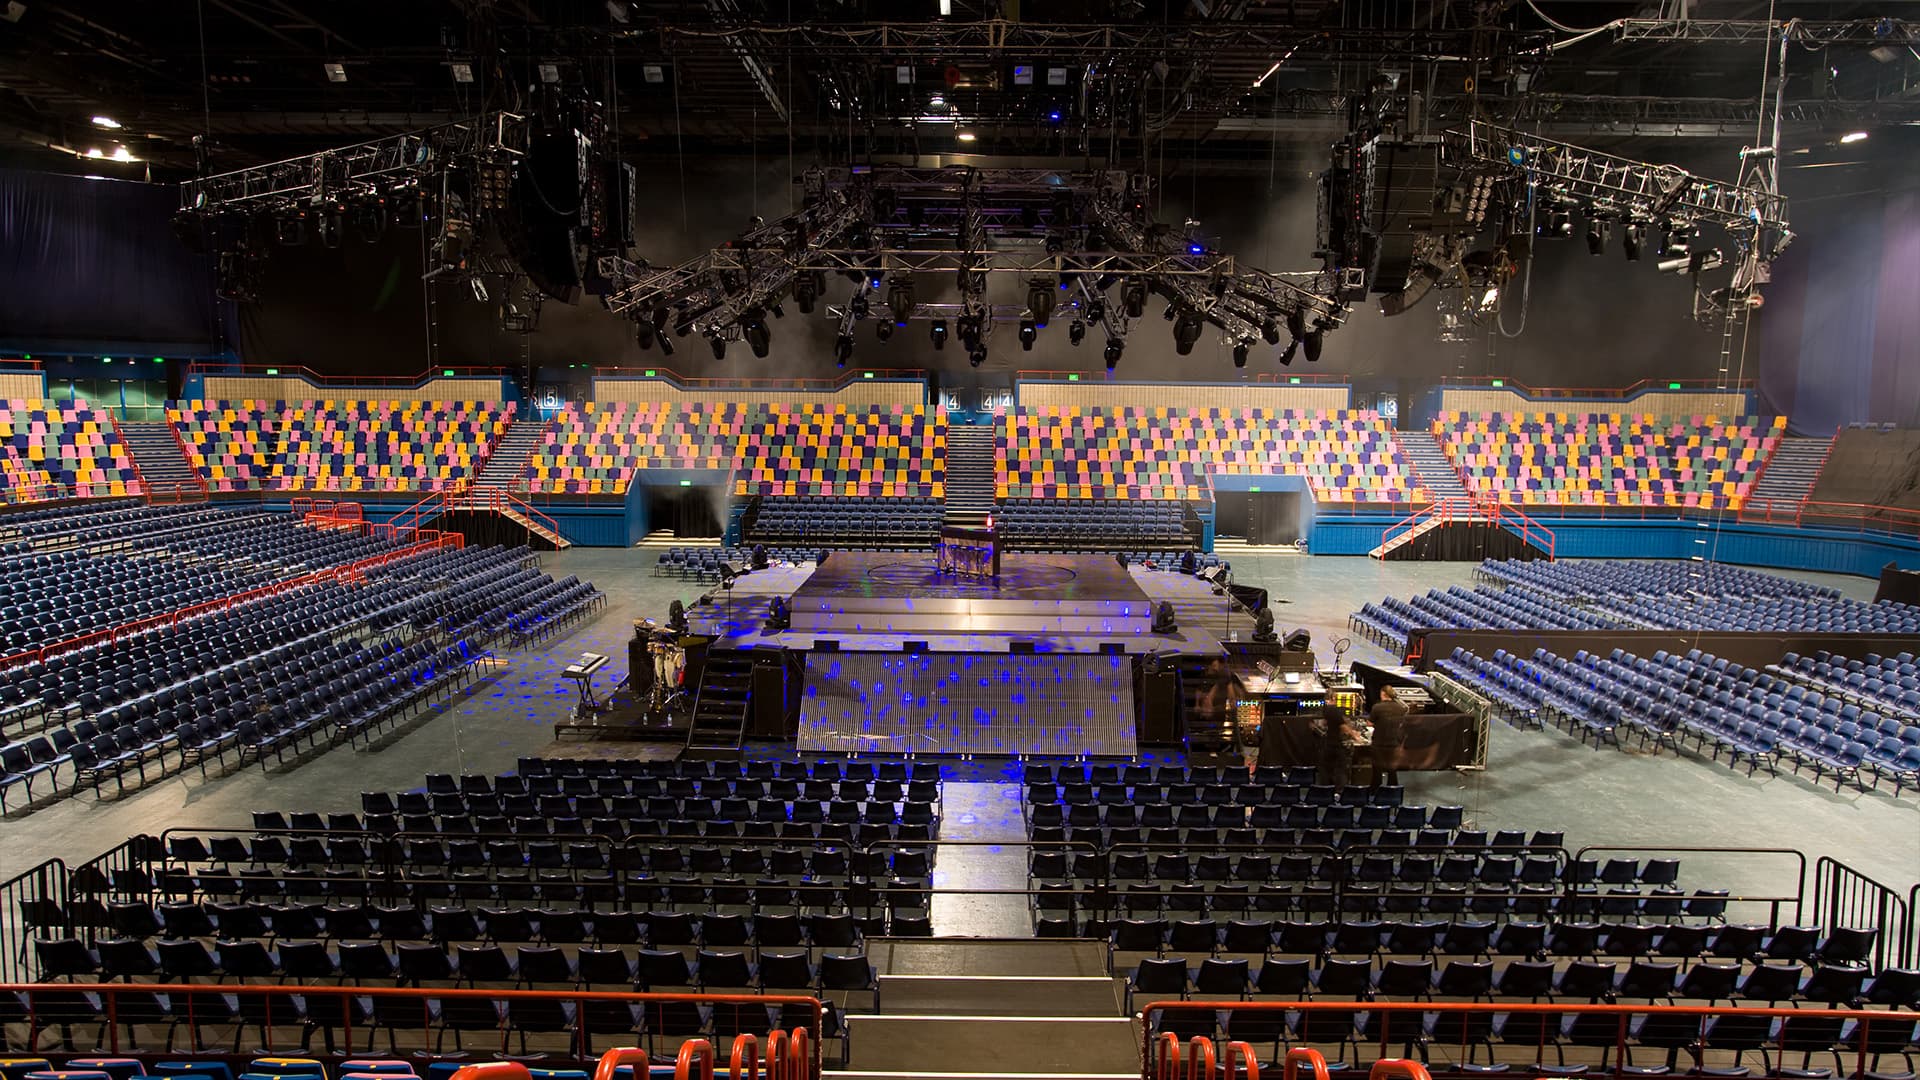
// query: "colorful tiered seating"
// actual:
[[831, 450], [771, 449], [384, 445], [51, 451], [1608, 459], [234, 444], [1064, 452]]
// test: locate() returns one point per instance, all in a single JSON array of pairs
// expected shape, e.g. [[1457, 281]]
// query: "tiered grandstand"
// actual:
[[338, 446], [1608, 459], [56, 451]]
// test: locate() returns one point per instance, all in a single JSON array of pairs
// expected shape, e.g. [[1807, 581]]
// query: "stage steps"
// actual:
[[719, 725], [1430, 466], [508, 462], [1791, 473], [970, 474], [156, 454], [1015, 1009]]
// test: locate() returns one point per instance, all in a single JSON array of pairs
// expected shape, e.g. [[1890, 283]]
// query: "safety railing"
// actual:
[[187, 455], [1910, 935], [1436, 514], [47, 491], [1514, 519], [1615, 1030], [366, 1010], [1490, 382], [33, 904], [1843, 896], [345, 382], [657, 373]]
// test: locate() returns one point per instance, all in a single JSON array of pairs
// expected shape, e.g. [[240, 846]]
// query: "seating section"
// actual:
[[1759, 718], [778, 450], [1063, 452], [863, 521], [1608, 459], [1871, 466], [53, 451], [347, 445], [1094, 524], [1659, 595], [293, 663], [703, 563]]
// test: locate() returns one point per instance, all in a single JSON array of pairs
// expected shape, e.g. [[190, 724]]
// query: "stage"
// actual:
[[901, 658]]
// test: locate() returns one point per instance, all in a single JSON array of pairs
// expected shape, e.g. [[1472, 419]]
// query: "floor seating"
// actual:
[[1093, 524], [858, 521]]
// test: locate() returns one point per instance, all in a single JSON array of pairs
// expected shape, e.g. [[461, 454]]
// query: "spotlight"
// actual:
[[938, 332], [1186, 331], [290, 226], [1854, 137], [370, 216], [643, 333], [1240, 354], [859, 306], [1076, 332], [1270, 332], [842, 350], [718, 344], [977, 355], [883, 329], [1676, 235], [1133, 297], [1313, 343], [1559, 223], [1027, 333], [900, 299], [1040, 299], [805, 292], [666, 343], [1598, 230], [1114, 348], [753, 327], [1286, 354], [1632, 235], [1296, 324]]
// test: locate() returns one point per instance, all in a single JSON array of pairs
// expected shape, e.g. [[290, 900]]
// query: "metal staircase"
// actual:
[[1790, 474], [156, 454], [508, 462], [1431, 468], [719, 726], [969, 473]]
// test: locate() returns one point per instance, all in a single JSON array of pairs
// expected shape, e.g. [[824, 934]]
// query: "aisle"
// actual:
[[988, 813]]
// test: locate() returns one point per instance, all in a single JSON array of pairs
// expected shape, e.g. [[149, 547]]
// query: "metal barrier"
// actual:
[[348, 1010], [1845, 897], [1402, 1023], [31, 903], [1910, 952], [1798, 899]]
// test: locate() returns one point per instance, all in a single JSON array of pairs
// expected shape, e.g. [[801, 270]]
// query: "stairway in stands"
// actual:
[[1791, 472], [1430, 466], [509, 460], [969, 473], [720, 708], [989, 1010], [156, 453]]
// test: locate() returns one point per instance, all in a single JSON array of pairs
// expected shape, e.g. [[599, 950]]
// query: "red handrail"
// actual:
[[1397, 1069], [492, 1070], [1200, 1065], [284, 371], [1694, 386], [1304, 1055], [694, 1052], [1165, 1056], [839, 382], [1415, 1012], [1239, 1055], [139, 477], [186, 454], [744, 1061]]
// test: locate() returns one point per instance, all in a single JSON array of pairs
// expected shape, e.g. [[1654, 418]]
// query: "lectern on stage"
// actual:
[[968, 552]]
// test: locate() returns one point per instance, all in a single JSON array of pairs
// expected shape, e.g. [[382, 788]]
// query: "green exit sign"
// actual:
[[686, 483], [649, 373], [1673, 386], [447, 372], [1499, 382], [866, 374], [1294, 380], [1253, 487], [1073, 377], [273, 371]]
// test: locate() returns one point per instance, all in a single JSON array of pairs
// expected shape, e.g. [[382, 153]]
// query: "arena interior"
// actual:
[[565, 539]]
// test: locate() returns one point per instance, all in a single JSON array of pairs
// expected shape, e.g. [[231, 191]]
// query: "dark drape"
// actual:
[[91, 261], [1840, 335]]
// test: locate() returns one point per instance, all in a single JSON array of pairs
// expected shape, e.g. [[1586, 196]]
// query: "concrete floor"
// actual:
[[1535, 780]]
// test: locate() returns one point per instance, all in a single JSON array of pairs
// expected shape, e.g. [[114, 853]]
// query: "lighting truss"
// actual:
[[344, 168], [1863, 33], [1589, 176]]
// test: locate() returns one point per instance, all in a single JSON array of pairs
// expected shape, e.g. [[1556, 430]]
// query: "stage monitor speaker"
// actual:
[[913, 647], [769, 701], [1159, 708], [1020, 648], [825, 645], [1112, 648]]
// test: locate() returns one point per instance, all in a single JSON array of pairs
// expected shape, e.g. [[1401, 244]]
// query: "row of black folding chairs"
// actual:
[[529, 769], [606, 790], [418, 859], [1379, 866], [1250, 838], [1361, 900]]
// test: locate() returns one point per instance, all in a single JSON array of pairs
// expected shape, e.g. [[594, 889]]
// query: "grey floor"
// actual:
[[1535, 780]]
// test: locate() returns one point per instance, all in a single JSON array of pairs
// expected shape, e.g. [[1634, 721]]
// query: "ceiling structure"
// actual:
[[1212, 85]]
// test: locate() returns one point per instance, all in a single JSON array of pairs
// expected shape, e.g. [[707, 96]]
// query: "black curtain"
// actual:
[[91, 263]]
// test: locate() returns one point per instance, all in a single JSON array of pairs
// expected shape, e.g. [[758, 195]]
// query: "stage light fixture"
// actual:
[[1114, 348], [842, 349], [966, 136], [1676, 236], [1076, 332], [335, 72], [937, 330], [1270, 332], [900, 298], [1598, 230], [753, 328], [1186, 331], [1559, 223], [805, 292], [1287, 354], [369, 215], [643, 333], [1133, 297], [1853, 137], [666, 343], [977, 355], [107, 122], [1633, 235], [1296, 324], [1027, 335], [290, 226], [1040, 299], [1240, 354], [1312, 344], [718, 344], [883, 330], [858, 306]]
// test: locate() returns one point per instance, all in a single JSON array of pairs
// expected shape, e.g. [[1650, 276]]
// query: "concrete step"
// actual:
[[1019, 1045], [996, 995]]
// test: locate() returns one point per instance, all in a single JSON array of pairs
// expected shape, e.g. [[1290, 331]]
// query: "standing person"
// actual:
[[1389, 716], [1336, 747]]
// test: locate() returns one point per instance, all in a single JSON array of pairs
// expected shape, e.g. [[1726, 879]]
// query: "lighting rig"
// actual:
[[1082, 245]]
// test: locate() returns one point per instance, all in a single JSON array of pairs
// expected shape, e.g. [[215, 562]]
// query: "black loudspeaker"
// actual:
[[1897, 585], [621, 188], [1112, 648], [913, 647], [1020, 648], [825, 645], [1159, 708], [769, 701]]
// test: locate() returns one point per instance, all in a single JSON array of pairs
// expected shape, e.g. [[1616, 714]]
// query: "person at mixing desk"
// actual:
[[1389, 719]]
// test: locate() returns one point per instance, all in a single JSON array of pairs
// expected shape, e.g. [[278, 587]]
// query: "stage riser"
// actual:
[[977, 617]]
